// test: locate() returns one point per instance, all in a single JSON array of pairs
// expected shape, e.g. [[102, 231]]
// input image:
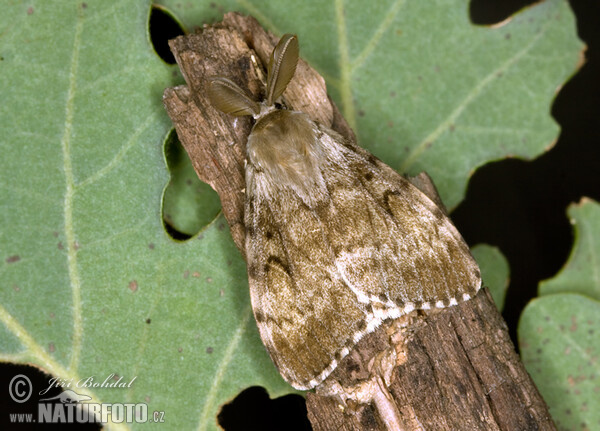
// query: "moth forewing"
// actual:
[[336, 241]]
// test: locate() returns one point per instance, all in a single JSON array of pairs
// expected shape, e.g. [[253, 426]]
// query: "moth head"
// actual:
[[228, 97]]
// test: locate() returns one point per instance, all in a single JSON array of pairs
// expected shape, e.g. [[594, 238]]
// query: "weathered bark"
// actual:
[[450, 369]]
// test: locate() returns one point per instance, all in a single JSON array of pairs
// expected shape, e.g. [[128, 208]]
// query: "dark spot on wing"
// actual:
[[438, 213], [259, 316], [276, 261], [288, 320], [252, 271], [322, 207], [362, 325], [338, 249], [268, 234], [386, 200], [368, 176], [251, 205]]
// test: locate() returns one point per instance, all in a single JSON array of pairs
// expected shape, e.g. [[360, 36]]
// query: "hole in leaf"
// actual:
[[26, 413], [188, 203], [163, 27], [520, 206], [489, 12], [252, 409]]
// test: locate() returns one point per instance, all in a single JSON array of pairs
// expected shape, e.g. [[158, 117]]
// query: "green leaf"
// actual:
[[189, 204], [581, 272], [558, 332], [93, 285], [424, 88], [560, 346], [495, 271]]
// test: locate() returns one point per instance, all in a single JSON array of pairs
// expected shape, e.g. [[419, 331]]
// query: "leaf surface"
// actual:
[[560, 346], [558, 332]]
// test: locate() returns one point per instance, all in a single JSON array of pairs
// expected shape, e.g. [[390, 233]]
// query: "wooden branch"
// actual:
[[450, 369], [455, 369]]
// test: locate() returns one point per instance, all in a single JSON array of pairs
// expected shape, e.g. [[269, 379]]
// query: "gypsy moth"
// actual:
[[336, 241]]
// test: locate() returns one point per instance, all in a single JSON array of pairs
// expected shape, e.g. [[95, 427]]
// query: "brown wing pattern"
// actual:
[[324, 275], [420, 257], [304, 311]]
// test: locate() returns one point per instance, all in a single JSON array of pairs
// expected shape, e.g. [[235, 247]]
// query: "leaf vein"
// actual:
[[119, 157], [344, 65], [374, 41], [70, 194], [227, 357], [41, 356]]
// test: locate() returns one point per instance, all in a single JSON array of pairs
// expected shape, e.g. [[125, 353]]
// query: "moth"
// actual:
[[336, 241]]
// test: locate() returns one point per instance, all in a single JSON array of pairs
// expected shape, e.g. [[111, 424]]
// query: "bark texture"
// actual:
[[450, 369]]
